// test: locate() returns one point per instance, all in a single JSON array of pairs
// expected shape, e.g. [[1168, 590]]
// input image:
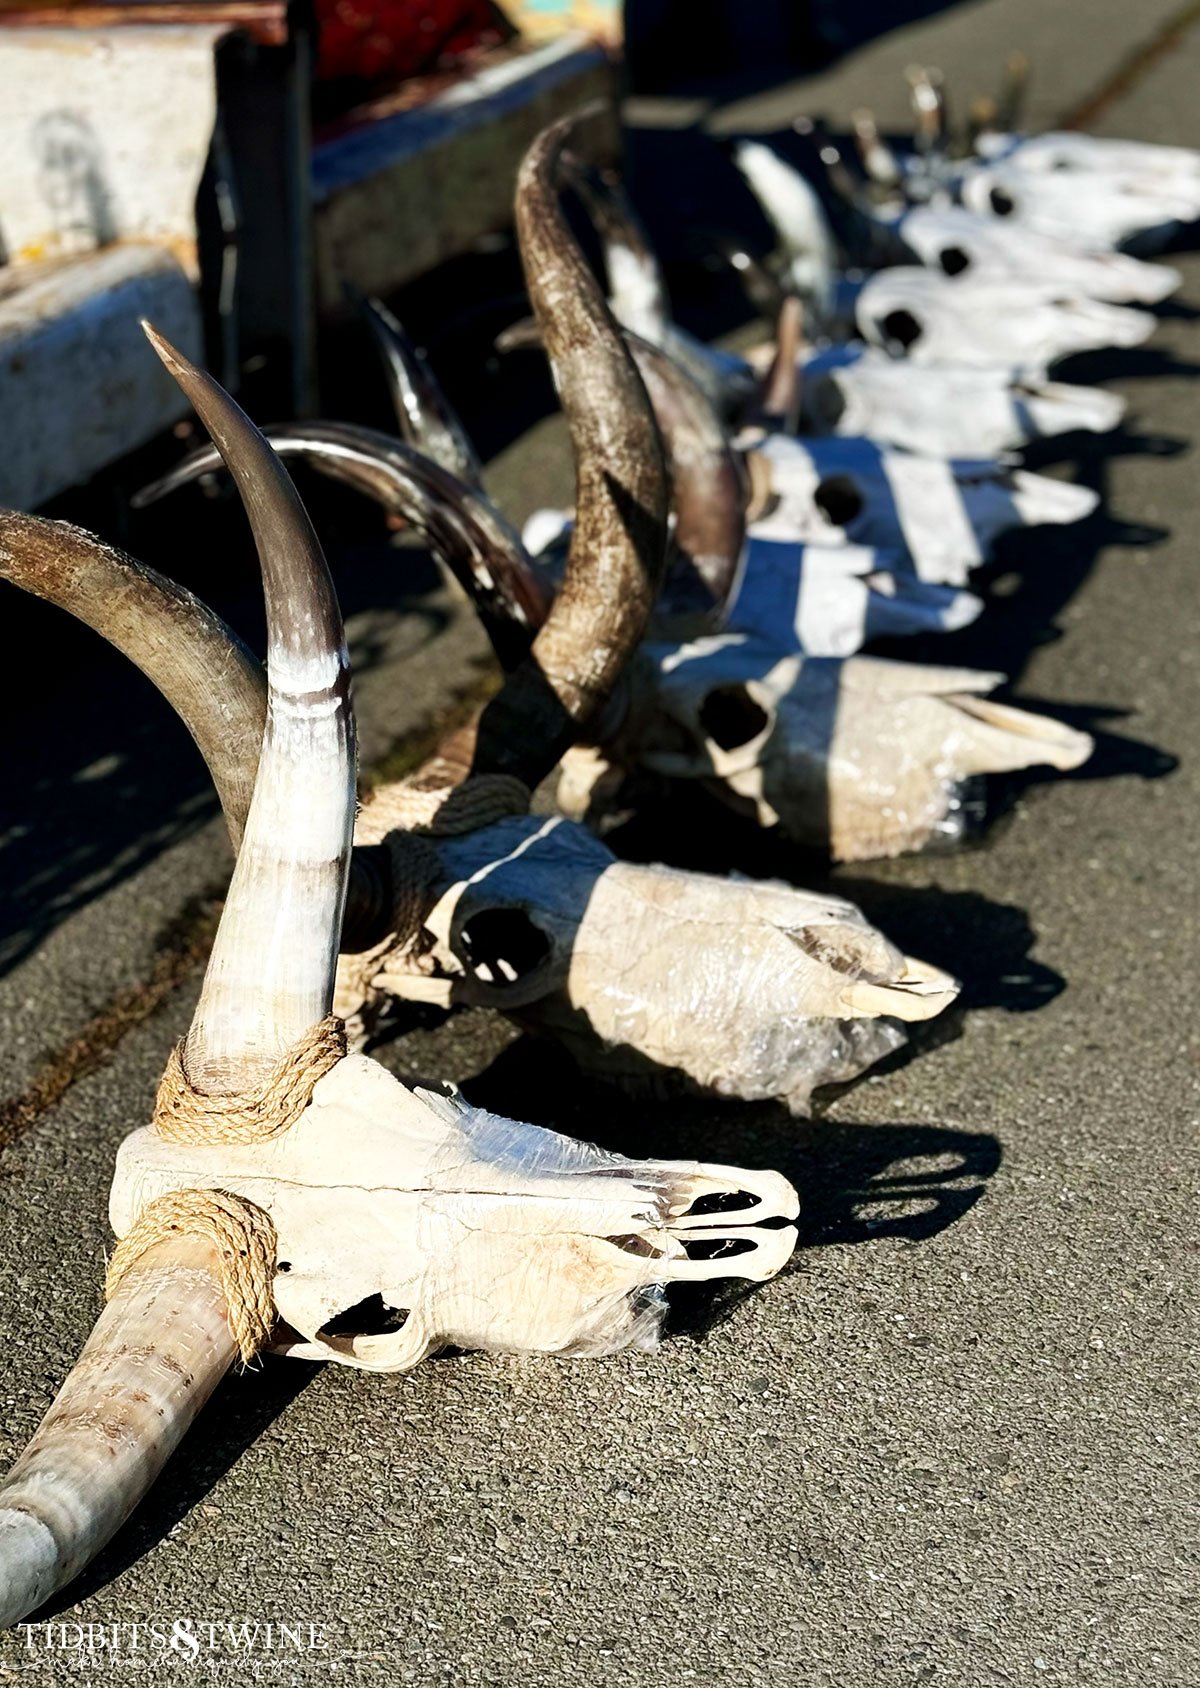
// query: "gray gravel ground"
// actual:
[[957, 1440]]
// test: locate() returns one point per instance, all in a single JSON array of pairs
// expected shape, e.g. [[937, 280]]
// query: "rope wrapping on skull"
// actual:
[[186, 1115], [246, 1245]]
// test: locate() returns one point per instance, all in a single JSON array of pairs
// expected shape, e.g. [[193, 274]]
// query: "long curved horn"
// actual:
[[158, 1351], [271, 973], [780, 401], [618, 546], [427, 421], [709, 491], [462, 526], [207, 675]]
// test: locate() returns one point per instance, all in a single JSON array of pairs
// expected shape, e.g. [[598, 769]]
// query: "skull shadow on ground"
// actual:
[[858, 1183]]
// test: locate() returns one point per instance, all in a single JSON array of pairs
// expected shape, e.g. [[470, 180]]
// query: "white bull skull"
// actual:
[[410, 1221], [1096, 208], [962, 242], [864, 757], [943, 515], [942, 410], [536, 917], [1018, 324]]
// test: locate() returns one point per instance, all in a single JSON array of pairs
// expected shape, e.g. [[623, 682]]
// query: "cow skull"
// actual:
[[644, 972], [474, 1228], [942, 515], [863, 757], [407, 1221], [962, 242], [1095, 192], [1019, 324], [1016, 321], [942, 410]]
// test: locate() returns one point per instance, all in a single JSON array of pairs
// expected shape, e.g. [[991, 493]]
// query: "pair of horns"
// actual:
[[163, 1342]]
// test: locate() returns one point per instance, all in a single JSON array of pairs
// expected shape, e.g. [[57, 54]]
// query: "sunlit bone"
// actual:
[[942, 410], [861, 757], [825, 599], [545, 918], [941, 514], [1013, 321], [963, 242], [461, 1227], [1089, 207], [854, 389]]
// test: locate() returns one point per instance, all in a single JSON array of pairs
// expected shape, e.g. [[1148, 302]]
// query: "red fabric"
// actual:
[[370, 39]]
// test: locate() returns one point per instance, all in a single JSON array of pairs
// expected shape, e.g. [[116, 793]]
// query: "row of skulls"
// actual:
[[741, 529]]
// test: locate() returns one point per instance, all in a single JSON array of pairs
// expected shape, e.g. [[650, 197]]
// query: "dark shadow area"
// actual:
[[242, 1410], [97, 774], [857, 1182], [688, 46]]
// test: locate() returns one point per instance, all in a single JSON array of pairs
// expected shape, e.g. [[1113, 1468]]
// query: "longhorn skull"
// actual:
[[1024, 321], [539, 918], [466, 1227], [944, 409]]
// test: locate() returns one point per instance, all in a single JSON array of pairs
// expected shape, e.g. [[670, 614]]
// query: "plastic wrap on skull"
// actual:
[[408, 1221], [861, 757]]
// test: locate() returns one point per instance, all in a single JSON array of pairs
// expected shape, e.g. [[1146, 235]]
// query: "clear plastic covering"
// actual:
[[742, 988], [831, 600], [407, 1221], [861, 757]]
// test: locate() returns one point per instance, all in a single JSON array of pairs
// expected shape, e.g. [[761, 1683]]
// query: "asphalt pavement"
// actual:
[[956, 1441]]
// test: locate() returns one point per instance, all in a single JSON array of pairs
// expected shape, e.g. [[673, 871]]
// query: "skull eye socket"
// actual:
[[901, 328], [1003, 204], [838, 500], [502, 945], [731, 718], [370, 1317], [953, 260]]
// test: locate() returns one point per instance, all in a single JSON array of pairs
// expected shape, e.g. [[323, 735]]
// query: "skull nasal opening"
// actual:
[[502, 945], [838, 500], [900, 329], [731, 717]]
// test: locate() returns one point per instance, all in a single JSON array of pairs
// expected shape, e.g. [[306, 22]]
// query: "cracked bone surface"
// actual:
[[431, 1222], [646, 972], [862, 757], [943, 515]]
